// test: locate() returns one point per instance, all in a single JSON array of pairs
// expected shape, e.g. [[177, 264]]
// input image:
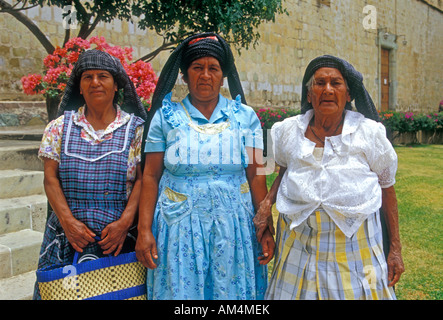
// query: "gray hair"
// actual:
[[310, 83]]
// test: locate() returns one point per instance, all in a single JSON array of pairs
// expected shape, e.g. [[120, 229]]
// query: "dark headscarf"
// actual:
[[195, 47], [354, 79], [100, 60]]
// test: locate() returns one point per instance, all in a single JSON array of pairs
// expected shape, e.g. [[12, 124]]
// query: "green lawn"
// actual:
[[420, 202]]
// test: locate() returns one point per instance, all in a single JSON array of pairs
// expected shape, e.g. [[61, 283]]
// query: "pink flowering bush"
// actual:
[[270, 116], [402, 122], [59, 65]]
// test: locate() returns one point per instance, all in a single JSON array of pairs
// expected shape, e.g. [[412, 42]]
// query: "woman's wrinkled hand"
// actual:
[[113, 237], [146, 249], [395, 267], [78, 234], [263, 220], [268, 247]]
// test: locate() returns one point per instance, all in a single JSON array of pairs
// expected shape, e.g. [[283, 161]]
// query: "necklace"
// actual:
[[333, 134]]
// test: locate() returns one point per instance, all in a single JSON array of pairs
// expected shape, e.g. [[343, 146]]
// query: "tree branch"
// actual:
[[153, 54], [67, 36], [7, 8], [85, 33]]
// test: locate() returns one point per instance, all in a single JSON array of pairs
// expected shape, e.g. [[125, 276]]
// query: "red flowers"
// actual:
[[59, 64]]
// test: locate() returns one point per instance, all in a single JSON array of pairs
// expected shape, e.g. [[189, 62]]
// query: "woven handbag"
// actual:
[[109, 278]]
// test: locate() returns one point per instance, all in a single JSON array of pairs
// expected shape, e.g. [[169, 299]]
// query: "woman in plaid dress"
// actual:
[[337, 169], [91, 155]]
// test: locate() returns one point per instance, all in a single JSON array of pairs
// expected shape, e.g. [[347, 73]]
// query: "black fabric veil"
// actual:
[[192, 48], [362, 99], [99, 60]]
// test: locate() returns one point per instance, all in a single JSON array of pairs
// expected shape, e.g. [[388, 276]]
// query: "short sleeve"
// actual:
[[253, 133], [51, 144], [136, 145], [277, 145], [382, 157], [155, 140]]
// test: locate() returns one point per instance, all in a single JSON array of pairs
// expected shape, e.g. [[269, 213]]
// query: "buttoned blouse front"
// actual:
[[346, 182]]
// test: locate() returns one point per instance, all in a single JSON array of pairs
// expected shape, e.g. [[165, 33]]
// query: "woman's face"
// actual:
[[97, 87], [329, 93], [204, 79]]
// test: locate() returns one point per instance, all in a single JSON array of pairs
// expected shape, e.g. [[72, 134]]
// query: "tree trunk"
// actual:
[[52, 106]]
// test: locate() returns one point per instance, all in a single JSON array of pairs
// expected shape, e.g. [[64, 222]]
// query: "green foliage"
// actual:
[[400, 122], [235, 20], [108, 10], [270, 116]]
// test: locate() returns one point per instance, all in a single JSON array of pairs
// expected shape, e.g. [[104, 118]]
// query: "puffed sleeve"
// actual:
[[155, 140], [277, 145], [382, 157], [254, 135], [136, 145], [51, 144]]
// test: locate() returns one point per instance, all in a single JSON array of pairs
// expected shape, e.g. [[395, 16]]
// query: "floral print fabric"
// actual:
[[206, 242]]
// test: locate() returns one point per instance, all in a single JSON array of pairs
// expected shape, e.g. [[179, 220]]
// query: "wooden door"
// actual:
[[385, 81]]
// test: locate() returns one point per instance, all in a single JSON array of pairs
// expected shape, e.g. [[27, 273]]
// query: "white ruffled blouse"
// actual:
[[346, 181]]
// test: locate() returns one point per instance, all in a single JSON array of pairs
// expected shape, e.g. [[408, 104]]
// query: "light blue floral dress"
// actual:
[[202, 223]]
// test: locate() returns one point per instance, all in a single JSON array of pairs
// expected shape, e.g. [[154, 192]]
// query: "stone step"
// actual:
[[20, 154], [23, 213], [20, 287], [20, 183], [19, 252], [30, 133]]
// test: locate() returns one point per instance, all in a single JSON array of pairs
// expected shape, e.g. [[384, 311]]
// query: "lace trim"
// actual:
[[237, 104], [80, 120], [168, 112], [210, 128], [46, 155], [68, 134]]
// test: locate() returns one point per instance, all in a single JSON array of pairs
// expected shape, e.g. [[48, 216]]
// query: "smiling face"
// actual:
[[328, 94], [97, 87], [204, 79]]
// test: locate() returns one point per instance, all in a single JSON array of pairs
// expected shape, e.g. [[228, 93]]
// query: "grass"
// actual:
[[420, 203], [419, 185]]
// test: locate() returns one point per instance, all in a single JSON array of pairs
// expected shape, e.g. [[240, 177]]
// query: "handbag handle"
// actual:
[[76, 254]]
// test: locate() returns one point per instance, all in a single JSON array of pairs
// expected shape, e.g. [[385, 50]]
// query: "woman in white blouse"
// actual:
[[337, 169]]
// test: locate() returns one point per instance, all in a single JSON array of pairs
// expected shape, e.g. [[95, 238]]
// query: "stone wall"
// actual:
[[272, 71]]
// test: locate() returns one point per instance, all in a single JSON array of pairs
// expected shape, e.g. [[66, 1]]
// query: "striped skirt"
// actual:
[[316, 261]]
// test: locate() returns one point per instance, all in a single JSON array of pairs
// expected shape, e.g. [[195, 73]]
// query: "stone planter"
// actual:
[[423, 137], [404, 138], [430, 137]]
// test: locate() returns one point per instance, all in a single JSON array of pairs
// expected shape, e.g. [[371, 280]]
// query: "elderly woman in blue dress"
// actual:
[[200, 184], [92, 170], [337, 169]]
